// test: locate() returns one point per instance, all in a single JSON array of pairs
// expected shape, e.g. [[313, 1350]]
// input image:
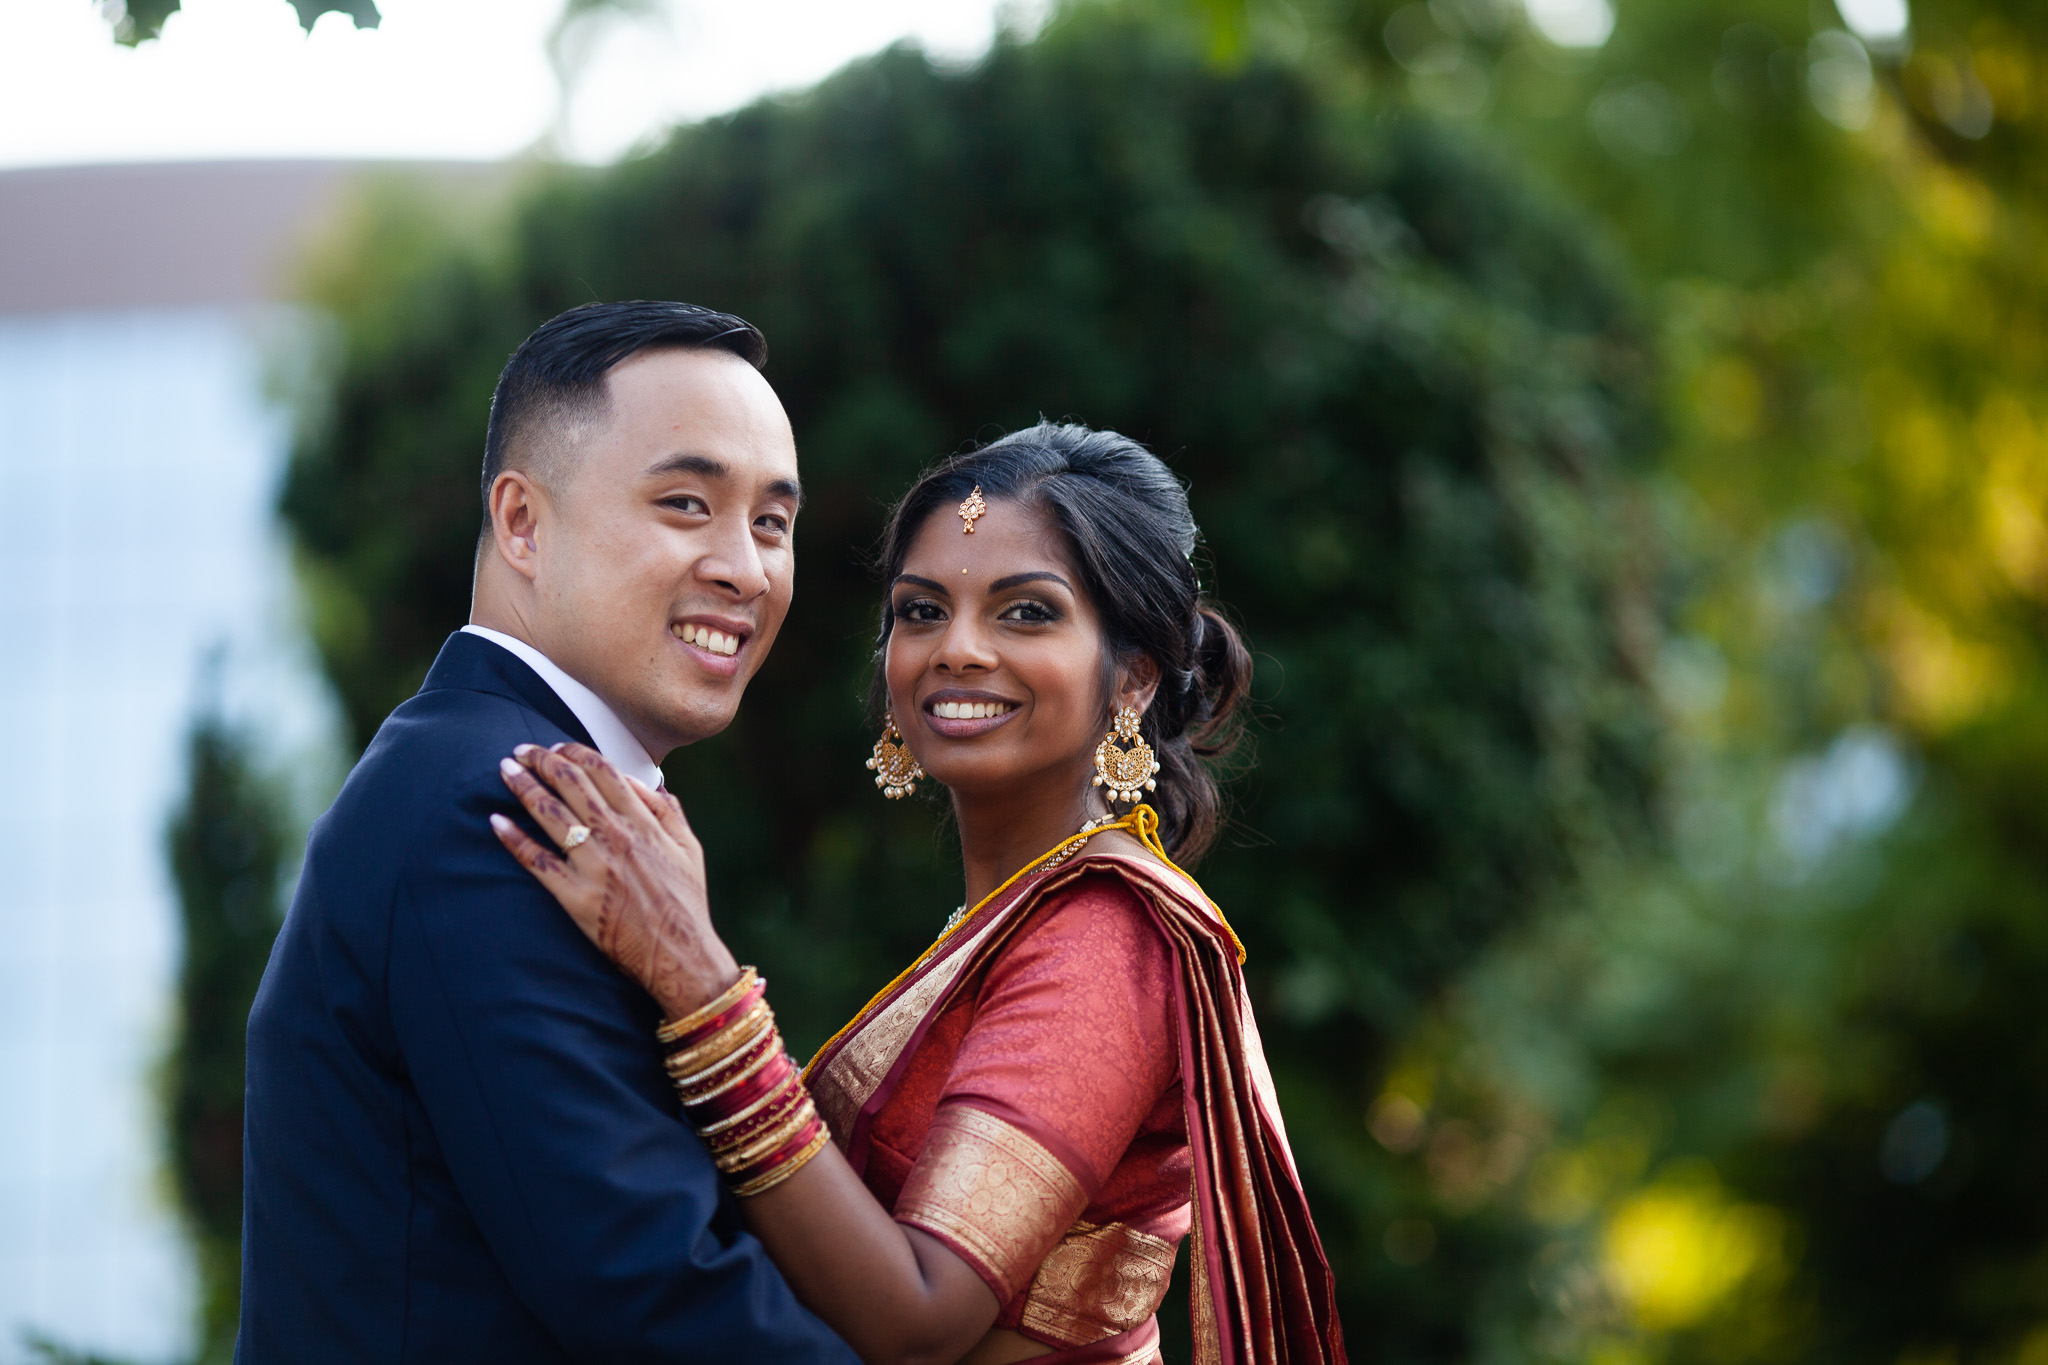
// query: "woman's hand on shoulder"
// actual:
[[625, 865]]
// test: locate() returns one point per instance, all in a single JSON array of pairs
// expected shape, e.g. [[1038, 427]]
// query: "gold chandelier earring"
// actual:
[[1124, 762], [896, 772]]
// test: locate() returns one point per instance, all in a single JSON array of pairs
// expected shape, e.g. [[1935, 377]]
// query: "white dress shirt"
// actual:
[[613, 739]]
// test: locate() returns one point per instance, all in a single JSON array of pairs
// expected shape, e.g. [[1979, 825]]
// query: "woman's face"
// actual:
[[995, 657]]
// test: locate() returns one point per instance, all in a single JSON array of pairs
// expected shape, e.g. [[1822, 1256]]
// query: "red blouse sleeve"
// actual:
[[1072, 1043]]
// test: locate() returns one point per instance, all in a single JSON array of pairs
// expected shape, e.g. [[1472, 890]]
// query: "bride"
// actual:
[[998, 1158]]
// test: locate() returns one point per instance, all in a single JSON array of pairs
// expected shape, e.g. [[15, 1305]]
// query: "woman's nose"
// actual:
[[965, 645]]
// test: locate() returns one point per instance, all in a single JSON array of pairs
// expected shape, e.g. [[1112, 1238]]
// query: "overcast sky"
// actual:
[[440, 78]]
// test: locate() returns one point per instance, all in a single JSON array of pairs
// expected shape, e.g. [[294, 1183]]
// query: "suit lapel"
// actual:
[[471, 663]]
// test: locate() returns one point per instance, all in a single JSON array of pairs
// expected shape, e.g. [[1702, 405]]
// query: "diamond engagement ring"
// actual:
[[573, 836]]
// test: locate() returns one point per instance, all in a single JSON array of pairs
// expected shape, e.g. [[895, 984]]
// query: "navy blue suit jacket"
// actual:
[[460, 1143]]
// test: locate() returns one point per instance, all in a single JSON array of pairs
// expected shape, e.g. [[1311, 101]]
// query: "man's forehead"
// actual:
[[774, 477], [705, 414]]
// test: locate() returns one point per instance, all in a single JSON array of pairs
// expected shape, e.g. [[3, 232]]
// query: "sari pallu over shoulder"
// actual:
[[1265, 1293]]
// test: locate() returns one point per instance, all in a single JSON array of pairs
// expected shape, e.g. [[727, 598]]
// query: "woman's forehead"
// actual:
[[1009, 537]]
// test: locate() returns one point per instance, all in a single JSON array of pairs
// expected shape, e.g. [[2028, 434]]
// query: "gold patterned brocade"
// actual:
[[1100, 1280], [869, 1051], [990, 1192], [1261, 1289]]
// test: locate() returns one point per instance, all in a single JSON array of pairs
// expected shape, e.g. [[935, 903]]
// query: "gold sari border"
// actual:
[[1100, 1280], [990, 1192], [867, 1053]]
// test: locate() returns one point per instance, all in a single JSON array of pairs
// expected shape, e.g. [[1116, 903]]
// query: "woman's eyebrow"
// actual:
[[1034, 576], [919, 582]]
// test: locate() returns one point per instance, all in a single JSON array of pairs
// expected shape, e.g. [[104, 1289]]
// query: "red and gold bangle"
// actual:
[[750, 1064], [725, 1131], [741, 1091], [768, 1143], [765, 1113], [746, 1050], [736, 1082], [772, 1082], [773, 1172], [745, 1029], [707, 1019]]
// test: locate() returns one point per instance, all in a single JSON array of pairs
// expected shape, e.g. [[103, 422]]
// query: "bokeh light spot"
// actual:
[[1675, 1251], [1875, 21], [1914, 1143], [1572, 23]]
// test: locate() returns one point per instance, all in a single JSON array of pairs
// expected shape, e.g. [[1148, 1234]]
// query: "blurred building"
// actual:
[[139, 459]]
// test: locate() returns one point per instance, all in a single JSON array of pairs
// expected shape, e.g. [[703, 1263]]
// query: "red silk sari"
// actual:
[[1063, 1084]]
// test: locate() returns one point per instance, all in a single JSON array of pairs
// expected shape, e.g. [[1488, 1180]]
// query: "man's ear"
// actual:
[[1137, 683], [517, 507]]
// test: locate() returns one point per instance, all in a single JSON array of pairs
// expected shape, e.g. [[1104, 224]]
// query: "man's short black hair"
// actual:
[[557, 376]]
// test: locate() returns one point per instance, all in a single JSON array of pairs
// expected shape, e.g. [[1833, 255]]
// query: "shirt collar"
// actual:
[[613, 739]]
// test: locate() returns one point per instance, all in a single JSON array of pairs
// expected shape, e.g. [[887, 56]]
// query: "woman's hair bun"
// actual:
[[1222, 678]]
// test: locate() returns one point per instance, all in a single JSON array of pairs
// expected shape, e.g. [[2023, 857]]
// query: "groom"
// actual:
[[460, 1142]]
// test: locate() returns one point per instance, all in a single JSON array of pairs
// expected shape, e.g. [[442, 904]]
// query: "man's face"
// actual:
[[667, 563]]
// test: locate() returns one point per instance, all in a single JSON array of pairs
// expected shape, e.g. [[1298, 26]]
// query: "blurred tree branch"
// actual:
[[138, 21], [575, 38], [227, 847]]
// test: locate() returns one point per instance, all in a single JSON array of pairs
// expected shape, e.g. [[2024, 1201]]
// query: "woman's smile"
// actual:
[[959, 714]]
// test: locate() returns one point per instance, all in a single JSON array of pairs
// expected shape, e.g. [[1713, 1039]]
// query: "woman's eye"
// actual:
[[1030, 612], [919, 609]]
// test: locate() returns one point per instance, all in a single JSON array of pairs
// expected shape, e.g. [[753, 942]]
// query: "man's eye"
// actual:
[[685, 503], [771, 522]]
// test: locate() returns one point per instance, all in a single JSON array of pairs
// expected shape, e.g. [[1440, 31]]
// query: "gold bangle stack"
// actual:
[[742, 1093]]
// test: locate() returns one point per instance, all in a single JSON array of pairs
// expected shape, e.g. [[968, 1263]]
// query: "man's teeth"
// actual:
[[970, 710], [705, 638]]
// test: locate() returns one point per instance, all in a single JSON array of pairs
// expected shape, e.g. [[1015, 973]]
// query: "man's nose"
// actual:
[[734, 563]]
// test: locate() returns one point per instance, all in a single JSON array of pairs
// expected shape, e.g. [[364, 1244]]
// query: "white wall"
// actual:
[[138, 467]]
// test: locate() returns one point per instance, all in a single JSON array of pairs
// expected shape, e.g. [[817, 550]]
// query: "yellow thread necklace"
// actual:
[[1142, 821]]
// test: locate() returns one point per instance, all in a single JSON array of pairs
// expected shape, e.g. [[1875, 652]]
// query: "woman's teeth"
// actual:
[[970, 710], [704, 638]]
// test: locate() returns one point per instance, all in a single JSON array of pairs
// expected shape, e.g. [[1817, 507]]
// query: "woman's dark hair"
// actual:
[[1127, 525]]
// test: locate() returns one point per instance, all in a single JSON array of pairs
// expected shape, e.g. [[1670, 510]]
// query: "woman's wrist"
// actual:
[[686, 980], [739, 1088]]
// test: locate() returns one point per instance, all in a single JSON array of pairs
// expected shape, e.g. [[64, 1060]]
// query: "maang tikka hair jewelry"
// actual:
[[1123, 771], [896, 772], [972, 509]]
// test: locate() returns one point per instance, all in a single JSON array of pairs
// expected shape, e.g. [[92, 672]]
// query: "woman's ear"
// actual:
[[1137, 683]]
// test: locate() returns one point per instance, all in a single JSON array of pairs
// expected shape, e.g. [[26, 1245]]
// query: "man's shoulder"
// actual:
[[434, 762]]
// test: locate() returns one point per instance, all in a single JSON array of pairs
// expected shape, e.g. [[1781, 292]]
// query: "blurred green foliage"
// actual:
[[1411, 402], [138, 21], [227, 846], [1775, 1098], [227, 857], [1631, 464], [43, 1351]]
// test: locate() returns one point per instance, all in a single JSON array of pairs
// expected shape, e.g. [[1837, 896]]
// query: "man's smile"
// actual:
[[714, 642]]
